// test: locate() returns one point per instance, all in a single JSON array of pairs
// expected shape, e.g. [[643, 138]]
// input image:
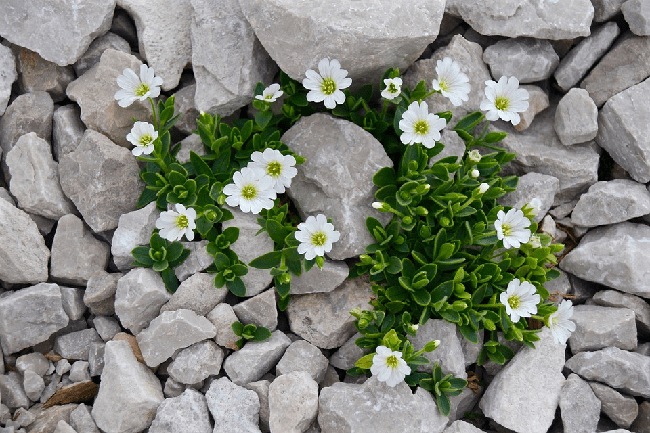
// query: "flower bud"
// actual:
[[365, 259], [482, 188], [489, 325], [221, 200], [284, 278], [407, 220], [535, 241], [474, 156], [381, 206], [421, 211], [474, 173]]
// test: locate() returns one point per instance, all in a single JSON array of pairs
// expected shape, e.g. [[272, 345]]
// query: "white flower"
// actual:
[[535, 205], [280, 168], [316, 236], [327, 85], [520, 299], [271, 93], [393, 88], [452, 83], [511, 228], [559, 323], [474, 173], [535, 241], [504, 100], [142, 136], [137, 89], [252, 191], [420, 126], [389, 366], [474, 155], [173, 225], [482, 188]]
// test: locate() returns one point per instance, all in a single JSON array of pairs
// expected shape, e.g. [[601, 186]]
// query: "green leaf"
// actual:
[[385, 176], [495, 137], [469, 333], [421, 297], [267, 261], [365, 362], [169, 278], [299, 99], [237, 328], [262, 118], [203, 226], [237, 287], [231, 234], [141, 255], [444, 406], [262, 334], [147, 196], [200, 167], [276, 231], [468, 122], [160, 266]]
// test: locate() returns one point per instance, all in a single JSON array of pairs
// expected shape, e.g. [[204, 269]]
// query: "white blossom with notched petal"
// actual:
[[134, 88], [393, 88], [251, 190], [559, 323], [316, 236], [451, 83], [535, 241], [326, 87], [389, 366], [520, 299], [174, 224], [474, 155], [420, 126], [511, 228], [504, 100], [271, 93], [142, 136], [280, 168]]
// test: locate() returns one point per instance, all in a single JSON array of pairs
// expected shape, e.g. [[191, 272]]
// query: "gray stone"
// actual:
[[47, 419], [29, 316], [559, 286], [76, 254], [67, 130], [248, 246], [62, 367], [471, 350], [576, 118], [96, 359], [318, 280], [22, 418], [259, 310], [37, 74], [643, 349], [293, 402], [60, 33], [620, 408], [461, 426], [92, 55], [82, 421], [64, 427], [374, 406], [129, 393], [186, 413], [101, 179], [454, 146], [195, 363], [51, 388], [637, 15], [170, 331], [579, 406], [79, 371], [611, 202], [197, 293], [528, 59], [5, 413], [613, 298], [584, 55], [34, 361], [138, 298], [622, 131], [172, 388], [197, 261], [614, 256], [324, 319], [44, 225], [642, 422], [537, 102], [464, 402], [107, 327], [99, 296], [449, 355], [261, 388], [234, 408], [348, 354], [123, 26], [33, 384], [95, 91], [12, 393], [133, 230], [73, 302], [533, 185], [303, 356], [184, 103], [7, 77], [4, 194], [605, 9], [189, 144], [524, 395], [222, 317], [620, 369], [76, 344], [598, 327], [256, 358]]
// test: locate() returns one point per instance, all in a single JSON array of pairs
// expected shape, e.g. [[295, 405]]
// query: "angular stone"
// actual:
[[449, 355], [129, 393], [528, 59], [620, 369], [12, 393], [620, 408], [189, 144], [611, 202], [197, 293], [579, 406], [73, 302], [138, 298], [197, 261], [461, 426], [523, 396], [7, 77], [94, 52], [67, 130], [320, 280], [170, 331], [95, 91], [172, 388], [261, 388], [47, 419], [576, 118], [614, 256], [186, 413], [293, 402], [637, 15], [303, 356], [256, 358], [222, 317], [197, 362], [96, 359], [584, 55], [107, 327], [249, 246], [76, 344], [625, 65], [99, 296], [324, 319], [642, 422], [613, 298], [82, 421], [598, 327], [184, 103], [133, 229], [37, 74], [124, 26], [373, 405], [76, 254], [64, 427], [533, 185], [29, 316], [79, 371], [537, 102], [34, 361], [605, 9], [23, 254], [234, 408], [348, 354], [33, 385], [259, 310]]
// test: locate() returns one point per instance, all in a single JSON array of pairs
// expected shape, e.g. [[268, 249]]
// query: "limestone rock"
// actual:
[[576, 118], [620, 408], [37, 74], [528, 59], [133, 229], [186, 413], [640, 425], [261, 388], [34, 361], [461, 426], [73, 302], [611, 202], [100, 293], [138, 298], [7, 77], [637, 15], [537, 102], [605, 9], [47, 419], [94, 52], [259, 310], [75, 345], [348, 354], [197, 261], [106, 327], [533, 185], [449, 355], [320, 280], [184, 103], [195, 363], [197, 293], [579, 406], [222, 317], [67, 130], [82, 421], [11, 391], [234, 408], [256, 358], [303, 356], [614, 298], [598, 327], [33, 385], [293, 402], [64, 427]]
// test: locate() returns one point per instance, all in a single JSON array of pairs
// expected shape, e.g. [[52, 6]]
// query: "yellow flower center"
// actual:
[[328, 87], [318, 239], [182, 222], [507, 230], [421, 127], [514, 302], [501, 103], [392, 88], [141, 90], [555, 320], [249, 192], [274, 169], [145, 140], [392, 361], [444, 85], [269, 96]]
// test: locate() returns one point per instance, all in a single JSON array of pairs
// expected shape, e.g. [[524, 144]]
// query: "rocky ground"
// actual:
[[89, 344]]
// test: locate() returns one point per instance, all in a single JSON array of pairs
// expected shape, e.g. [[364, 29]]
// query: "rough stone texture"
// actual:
[[47, 419], [611, 202], [359, 41], [37, 74], [336, 179], [99, 296], [234, 408], [642, 422], [623, 133], [576, 118], [626, 64], [101, 179], [75, 345], [579, 406], [197, 261], [12, 393], [613, 298], [138, 298], [97, 47], [348, 354], [528, 59], [79, 371], [184, 103], [637, 15], [82, 421], [324, 319], [523, 396], [33, 385], [67, 130], [124, 26], [7, 77], [584, 55], [303, 356], [197, 362], [226, 78], [614, 256], [373, 405], [605, 9], [123, 336], [533, 185], [293, 402], [73, 302], [449, 355], [170, 331], [261, 388], [129, 393], [60, 33], [133, 229], [461, 426], [256, 358], [194, 144], [106, 327], [76, 254], [95, 91], [259, 310], [620, 408], [197, 293], [620, 369], [64, 427], [186, 413], [320, 280], [537, 102], [222, 317], [23, 254], [34, 361], [598, 327], [29, 316]]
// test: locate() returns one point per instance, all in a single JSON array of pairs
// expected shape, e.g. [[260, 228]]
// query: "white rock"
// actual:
[[293, 402], [138, 298], [234, 408]]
